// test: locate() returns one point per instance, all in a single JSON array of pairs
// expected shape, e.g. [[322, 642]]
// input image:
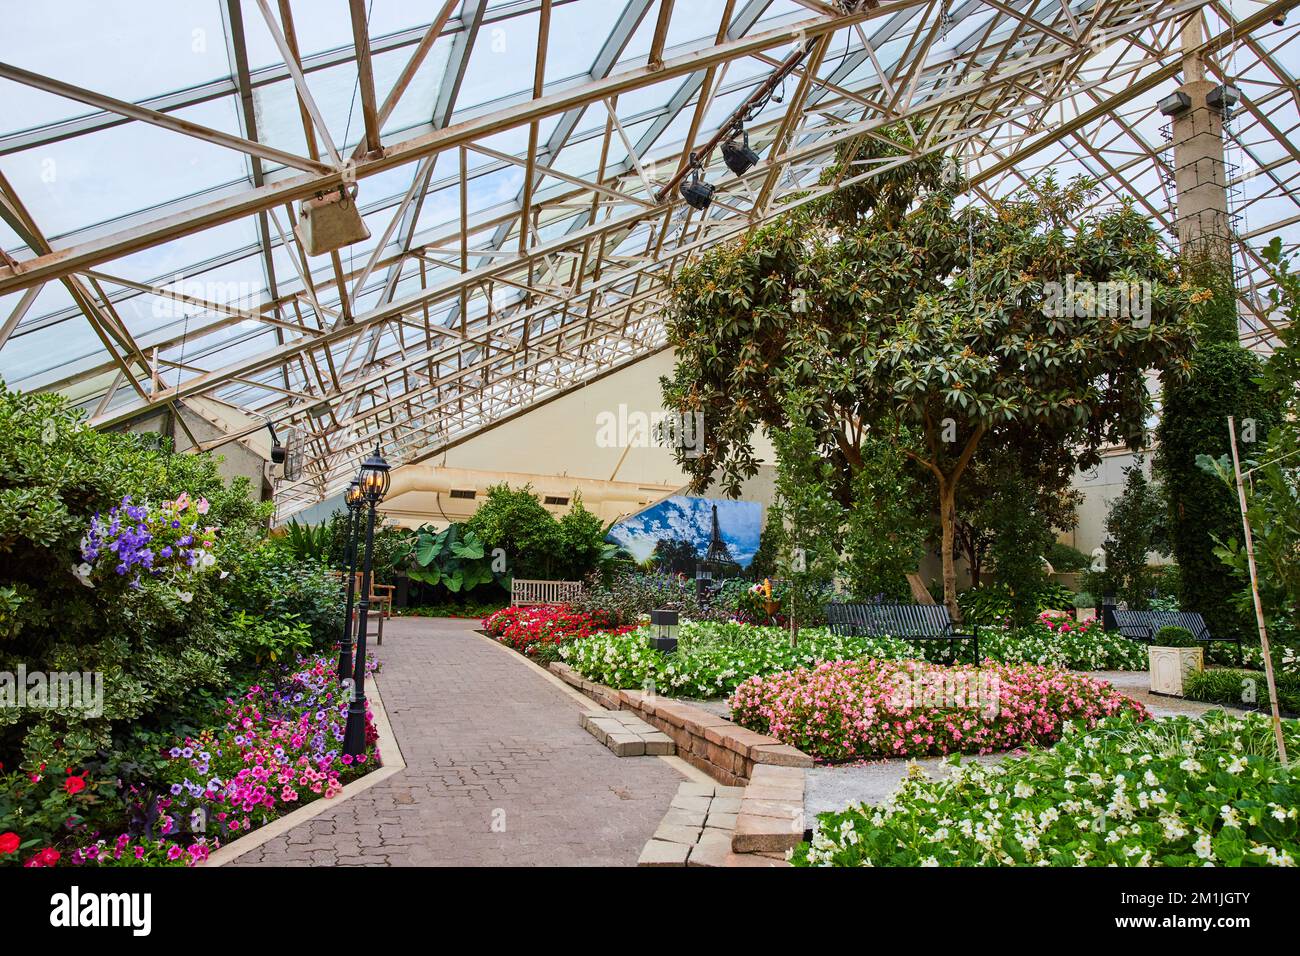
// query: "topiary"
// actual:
[[1175, 637]]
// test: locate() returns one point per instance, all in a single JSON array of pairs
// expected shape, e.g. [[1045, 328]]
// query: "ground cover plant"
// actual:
[[1242, 688], [845, 710], [1176, 792]]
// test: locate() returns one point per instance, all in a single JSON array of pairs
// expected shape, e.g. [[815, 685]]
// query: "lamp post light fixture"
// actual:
[[354, 499], [663, 625], [373, 483]]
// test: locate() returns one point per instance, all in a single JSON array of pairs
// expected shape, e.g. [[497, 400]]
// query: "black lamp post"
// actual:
[[373, 481], [354, 499]]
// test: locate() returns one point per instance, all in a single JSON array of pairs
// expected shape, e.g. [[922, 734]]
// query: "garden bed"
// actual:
[[847, 710], [713, 659], [1178, 792], [277, 748]]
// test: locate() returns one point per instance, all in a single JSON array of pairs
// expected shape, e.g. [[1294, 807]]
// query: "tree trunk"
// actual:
[[948, 521]]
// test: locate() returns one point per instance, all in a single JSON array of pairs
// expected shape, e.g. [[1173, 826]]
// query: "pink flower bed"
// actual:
[[844, 710]]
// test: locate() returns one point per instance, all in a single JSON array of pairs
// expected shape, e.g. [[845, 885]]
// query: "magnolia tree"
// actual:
[[893, 307]]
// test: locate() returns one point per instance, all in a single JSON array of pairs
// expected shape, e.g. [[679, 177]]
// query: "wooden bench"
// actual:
[[906, 622], [524, 592], [1145, 625]]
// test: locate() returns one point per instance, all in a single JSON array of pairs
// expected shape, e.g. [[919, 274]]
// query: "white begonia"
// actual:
[[1203, 847]]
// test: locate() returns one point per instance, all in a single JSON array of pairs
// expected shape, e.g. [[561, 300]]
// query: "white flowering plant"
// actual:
[[1057, 640], [1176, 792], [712, 659]]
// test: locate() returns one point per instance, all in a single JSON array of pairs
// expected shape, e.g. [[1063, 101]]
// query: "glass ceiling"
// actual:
[[153, 156]]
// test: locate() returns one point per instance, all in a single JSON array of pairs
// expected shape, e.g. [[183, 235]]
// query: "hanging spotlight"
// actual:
[[739, 158], [278, 452], [697, 193]]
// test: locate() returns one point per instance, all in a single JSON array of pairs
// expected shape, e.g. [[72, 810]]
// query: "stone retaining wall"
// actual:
[[726, 752]]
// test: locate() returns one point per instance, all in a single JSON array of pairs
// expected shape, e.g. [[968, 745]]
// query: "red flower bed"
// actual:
[[527, 629]]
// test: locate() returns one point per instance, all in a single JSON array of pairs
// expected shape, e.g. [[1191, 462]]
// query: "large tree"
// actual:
[[893, 307]]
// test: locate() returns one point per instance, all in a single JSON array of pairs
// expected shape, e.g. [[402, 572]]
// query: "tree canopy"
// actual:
[[892, 306]]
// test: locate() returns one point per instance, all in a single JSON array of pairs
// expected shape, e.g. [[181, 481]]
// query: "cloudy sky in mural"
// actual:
[[690, 519]]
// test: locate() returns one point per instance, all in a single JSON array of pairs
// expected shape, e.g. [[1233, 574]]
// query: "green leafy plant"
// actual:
[[805, 519], [306, 541], [1224, 379], [1135, 527], [453, 558], [886, 527], [1176, 637], [1241, 688], [269, 640], [1066, 558]]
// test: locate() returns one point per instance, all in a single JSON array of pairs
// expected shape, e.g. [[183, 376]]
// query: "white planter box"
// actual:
[[1169, 665]]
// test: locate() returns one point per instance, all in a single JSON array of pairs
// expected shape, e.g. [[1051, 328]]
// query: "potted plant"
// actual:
[[1085, 607], [1173, 654]]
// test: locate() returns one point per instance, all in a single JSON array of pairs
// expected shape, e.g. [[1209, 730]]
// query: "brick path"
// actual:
[[486, 738]]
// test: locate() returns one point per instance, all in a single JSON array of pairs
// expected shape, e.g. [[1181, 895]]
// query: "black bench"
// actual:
[[1145, 625], [906, 622]]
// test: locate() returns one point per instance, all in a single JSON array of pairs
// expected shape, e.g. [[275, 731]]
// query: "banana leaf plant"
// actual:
[[454, 558]]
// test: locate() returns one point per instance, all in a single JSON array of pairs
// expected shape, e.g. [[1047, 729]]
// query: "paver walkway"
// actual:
[[498, 770]]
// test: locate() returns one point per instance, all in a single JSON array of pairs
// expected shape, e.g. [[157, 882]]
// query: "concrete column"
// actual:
[[1200, 173]]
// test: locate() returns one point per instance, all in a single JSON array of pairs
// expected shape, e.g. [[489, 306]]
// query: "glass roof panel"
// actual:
[[128, 49]]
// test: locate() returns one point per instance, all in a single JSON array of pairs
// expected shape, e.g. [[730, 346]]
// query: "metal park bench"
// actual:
[[907, 622], [1145, 625], [524, 592]]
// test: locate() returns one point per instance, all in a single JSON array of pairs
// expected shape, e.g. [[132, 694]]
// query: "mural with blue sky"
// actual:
[[681, 518]]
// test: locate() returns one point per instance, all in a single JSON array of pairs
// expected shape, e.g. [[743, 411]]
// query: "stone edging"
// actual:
[[390, 753], [717, 746]]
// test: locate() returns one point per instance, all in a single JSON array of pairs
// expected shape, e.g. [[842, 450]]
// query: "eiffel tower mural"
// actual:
[[717, 559]]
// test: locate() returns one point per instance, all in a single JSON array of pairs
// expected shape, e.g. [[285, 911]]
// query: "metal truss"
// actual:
[[472, 305]]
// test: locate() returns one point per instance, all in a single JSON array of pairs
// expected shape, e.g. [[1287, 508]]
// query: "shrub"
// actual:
[[267, 641], [1066, 559], [1176, 792], [629, 594], [885, 530], [515, 520], [1022, 534], [151, 636], [993, 603], [844, 710], [1176, 637], [1242, 688], [1135, 526], [266, 581]]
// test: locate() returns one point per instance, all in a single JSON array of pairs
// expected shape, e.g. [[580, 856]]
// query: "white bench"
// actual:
[[524, 592]]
